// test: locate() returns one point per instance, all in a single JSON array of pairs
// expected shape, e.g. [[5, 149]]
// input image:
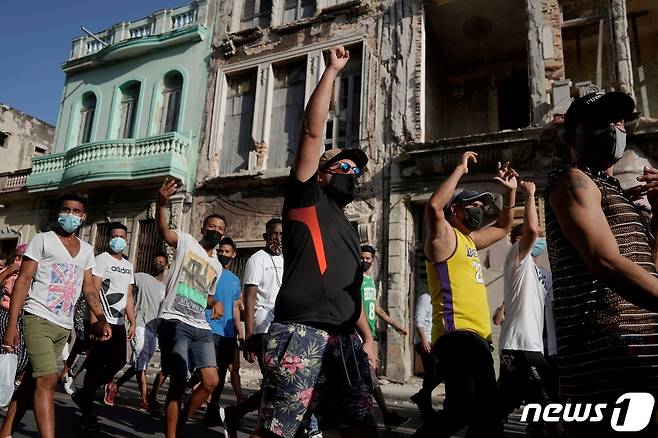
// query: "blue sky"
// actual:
[[35, 39]]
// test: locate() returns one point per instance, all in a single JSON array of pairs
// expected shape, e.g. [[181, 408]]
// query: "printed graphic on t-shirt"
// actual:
[[196, 279], [108, 300], [62, 292]]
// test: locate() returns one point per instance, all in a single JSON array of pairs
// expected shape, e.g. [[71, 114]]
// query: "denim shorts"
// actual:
[[184, 347], [144, 344], [309, 371]]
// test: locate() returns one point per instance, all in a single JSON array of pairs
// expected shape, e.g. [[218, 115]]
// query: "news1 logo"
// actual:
[[631, 412]]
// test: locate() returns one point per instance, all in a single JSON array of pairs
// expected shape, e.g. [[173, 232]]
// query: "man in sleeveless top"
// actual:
[[461, 327], [603, 259]]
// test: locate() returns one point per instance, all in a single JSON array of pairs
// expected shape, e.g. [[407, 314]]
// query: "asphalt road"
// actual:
[[125, 420]]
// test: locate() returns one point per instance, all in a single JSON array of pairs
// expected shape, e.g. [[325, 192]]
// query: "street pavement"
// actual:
[[125, 420]]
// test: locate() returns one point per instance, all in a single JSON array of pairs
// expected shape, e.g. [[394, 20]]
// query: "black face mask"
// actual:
[[604, 147], [342, 188], [157, 269], [224, 260], [365, 266], [212, 237], [473, 218]]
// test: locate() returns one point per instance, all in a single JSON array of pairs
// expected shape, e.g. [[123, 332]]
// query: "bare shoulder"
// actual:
[[574, 184], [573, 180]]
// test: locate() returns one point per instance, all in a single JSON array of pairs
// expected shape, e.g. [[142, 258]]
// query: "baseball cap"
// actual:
[[332, 156], [463, 196], [598, 108]]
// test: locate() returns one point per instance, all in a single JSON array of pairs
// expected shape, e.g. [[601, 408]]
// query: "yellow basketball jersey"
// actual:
[[458, 291]]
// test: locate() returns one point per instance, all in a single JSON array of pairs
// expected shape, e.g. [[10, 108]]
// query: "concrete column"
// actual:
[[536, 67], [620, 47], [398, 364]]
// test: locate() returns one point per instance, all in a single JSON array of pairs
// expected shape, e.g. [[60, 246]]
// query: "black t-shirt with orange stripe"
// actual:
[[322, 261]]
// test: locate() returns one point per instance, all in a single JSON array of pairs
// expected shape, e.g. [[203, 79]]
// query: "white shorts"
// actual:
[[144, 344]]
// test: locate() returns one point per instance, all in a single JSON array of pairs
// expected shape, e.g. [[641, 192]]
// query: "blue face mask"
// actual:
[[69, 222], [539, 246], [118, 244]]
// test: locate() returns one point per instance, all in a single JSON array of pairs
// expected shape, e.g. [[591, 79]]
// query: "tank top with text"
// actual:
[[458, 291]]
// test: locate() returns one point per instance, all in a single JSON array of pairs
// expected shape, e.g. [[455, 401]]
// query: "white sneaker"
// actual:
[[68, 385]]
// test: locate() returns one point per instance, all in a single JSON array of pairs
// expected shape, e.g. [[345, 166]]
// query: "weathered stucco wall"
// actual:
[[27, 137]]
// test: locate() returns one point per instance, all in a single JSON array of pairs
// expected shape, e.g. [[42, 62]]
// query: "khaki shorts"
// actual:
[[44, 342]]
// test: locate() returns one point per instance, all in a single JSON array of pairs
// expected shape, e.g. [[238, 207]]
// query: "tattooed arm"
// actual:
[[576, 201], [100, 329]]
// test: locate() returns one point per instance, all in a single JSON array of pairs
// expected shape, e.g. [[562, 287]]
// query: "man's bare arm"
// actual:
[[488, 236], [250, 293], [21, 289], [165, 192], [91, 286], [388, 320], [440, 240], [530, 221], [315, 116], [576, 201]]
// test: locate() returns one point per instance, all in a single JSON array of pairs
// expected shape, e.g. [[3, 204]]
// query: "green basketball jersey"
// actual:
[[369, 297]]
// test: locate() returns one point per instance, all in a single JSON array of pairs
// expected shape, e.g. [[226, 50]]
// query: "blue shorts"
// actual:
[[184, 347], [308, 371]]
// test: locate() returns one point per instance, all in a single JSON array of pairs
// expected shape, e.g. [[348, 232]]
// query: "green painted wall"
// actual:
[[190, 58]]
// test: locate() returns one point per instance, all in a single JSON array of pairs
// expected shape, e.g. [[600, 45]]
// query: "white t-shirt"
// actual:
[[266, 272], [57, 282], [525, 293], [551, 338], [192, 279], [116, 276]]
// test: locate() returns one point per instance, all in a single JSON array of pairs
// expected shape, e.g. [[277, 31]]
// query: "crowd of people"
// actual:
[[306, 307]]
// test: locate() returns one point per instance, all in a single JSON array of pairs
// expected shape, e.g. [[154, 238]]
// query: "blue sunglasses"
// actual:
[[345, 167]]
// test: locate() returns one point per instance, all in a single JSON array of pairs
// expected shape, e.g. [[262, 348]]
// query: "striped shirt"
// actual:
[[606, 345]]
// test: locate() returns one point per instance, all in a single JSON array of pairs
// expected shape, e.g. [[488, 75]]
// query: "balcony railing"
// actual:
[[13, 181], [111, 160], [158, 23]]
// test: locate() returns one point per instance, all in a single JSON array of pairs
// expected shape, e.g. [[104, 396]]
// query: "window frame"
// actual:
[[313, 54], [299, 10], [87, 115], [170, 113], [128, 110]]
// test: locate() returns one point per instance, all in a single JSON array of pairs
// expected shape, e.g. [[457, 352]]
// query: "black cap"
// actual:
[[467, 196], [332, 156], [598, 109]]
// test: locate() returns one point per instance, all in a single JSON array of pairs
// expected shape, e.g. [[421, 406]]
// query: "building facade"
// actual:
[[131, 115], [425, 82], [22, 137]]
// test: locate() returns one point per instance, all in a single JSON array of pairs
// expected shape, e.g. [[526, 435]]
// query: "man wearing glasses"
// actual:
[[315, 363]]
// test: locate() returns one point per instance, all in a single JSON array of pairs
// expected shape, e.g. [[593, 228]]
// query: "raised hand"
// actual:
[[650, 186], [528, 188], [166, 191], [466, 157], [338, 57], [506, 176]]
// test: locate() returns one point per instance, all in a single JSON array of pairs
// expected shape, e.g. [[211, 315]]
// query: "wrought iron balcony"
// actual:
[[112, 160]]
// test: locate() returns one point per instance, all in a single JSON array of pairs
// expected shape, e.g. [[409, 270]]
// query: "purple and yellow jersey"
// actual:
[[458, 291]]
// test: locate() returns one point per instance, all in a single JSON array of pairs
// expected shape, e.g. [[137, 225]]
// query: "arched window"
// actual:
[[171, 97], [129, 100], [87, 111]]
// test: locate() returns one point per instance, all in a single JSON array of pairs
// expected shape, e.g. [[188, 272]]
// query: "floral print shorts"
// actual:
[[309, 371]]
